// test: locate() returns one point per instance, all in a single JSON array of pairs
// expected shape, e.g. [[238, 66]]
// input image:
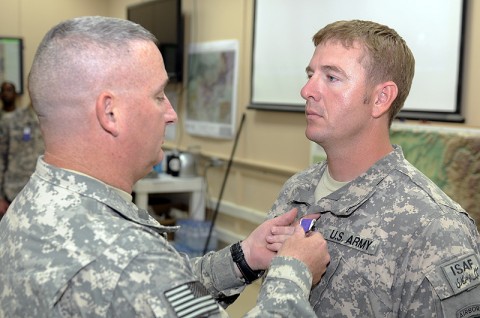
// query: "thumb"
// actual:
[[285, 219], [299, 231]]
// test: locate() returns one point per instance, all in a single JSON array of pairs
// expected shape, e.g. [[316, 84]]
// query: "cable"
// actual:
[[227, 172]]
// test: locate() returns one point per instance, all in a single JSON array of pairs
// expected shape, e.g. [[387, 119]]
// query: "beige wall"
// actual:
[[272, 145], [471, 93], [32, 19]]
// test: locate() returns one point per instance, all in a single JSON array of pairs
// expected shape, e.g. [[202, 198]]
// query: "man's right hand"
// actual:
[[311, 249]]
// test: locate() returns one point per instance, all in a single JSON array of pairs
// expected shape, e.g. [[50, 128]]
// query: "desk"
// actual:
[[168, 184]]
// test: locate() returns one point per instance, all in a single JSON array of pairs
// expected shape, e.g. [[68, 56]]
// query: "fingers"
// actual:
[[298, 230], [271, 239], [282, 233], [275, 242], [285, 219], [282, 230], [310, 248], [274, 247], [278, 235]]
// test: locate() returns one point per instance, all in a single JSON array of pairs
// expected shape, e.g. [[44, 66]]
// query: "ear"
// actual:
[[384, 95], [106, 112]]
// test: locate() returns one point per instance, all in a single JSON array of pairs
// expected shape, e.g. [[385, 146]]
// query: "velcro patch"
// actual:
[[352, 240], [472, 311], [463, 273], [191, 300]]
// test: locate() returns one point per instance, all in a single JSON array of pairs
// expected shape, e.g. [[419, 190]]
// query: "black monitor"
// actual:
[[163, 18]]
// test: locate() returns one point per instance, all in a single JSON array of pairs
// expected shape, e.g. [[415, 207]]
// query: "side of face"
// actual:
[[337, 108], [146, 110]]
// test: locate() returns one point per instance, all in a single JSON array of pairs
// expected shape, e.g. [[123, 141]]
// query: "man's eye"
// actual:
[[331, 78]]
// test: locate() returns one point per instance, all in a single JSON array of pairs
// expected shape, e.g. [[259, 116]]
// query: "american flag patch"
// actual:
[[191, 300]]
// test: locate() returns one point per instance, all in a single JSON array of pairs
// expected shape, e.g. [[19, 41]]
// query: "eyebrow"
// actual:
[[162, 87], [165, 83], [329, 68]]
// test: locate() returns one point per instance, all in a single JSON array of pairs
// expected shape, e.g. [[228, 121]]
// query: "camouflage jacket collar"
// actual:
[[345, 200], [99, 191]]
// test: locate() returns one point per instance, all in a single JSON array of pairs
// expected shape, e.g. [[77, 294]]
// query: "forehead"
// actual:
[[148, 63], [7, 87], [336, 48], [334, 53]]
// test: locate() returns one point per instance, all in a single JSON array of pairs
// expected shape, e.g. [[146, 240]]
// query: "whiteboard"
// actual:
[[283, 47]]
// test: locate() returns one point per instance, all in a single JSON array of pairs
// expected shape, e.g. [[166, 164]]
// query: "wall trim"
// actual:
[[237, 211], [240, 212]]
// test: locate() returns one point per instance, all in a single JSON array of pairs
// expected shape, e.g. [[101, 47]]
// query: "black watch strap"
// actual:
[[239, 258]]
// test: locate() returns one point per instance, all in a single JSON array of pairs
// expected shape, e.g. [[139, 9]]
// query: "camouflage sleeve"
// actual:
[[145, 289], [150, 286], [431, 301], [451, 280], [285, 291], [216, 272], [153, 284]]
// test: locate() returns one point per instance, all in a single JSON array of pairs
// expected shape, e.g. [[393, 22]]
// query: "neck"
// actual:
[[348, 162], [8, 107], [100, 170]]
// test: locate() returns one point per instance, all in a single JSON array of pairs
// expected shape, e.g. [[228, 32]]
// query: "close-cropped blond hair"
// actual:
[[387, 56]]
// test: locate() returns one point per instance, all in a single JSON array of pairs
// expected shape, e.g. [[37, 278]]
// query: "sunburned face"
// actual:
[[337, 105]]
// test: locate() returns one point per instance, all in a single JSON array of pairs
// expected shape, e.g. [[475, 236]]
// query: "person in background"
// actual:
[[20, 145], [74, 244], [8, 95], [399, 246]]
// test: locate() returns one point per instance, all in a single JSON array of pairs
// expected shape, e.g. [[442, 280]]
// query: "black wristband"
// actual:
[[239, 258]]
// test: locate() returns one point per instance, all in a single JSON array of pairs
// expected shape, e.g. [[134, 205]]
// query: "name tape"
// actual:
[[352, 240]]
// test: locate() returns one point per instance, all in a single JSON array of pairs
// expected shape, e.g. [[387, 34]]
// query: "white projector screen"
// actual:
[[433, 29]]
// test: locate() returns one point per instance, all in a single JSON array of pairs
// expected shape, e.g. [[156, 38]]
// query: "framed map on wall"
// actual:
[[212, 89]]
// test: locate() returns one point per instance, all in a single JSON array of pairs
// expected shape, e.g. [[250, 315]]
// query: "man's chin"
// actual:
[[314, 135], [310, 134]]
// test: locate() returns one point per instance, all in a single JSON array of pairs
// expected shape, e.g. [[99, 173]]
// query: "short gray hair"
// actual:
[[77, 53]]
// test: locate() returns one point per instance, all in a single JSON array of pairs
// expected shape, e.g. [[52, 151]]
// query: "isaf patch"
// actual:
[[191, 300], [463, 273]]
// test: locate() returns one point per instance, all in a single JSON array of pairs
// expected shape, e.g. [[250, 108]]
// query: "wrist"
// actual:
[[249, 275]]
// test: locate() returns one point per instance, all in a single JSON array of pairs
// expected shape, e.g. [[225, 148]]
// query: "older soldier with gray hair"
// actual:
[[400, 247], [73, 243]]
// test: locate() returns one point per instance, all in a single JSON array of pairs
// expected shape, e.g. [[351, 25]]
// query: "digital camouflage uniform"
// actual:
[[399, 246], [73, 246], [20, 145]]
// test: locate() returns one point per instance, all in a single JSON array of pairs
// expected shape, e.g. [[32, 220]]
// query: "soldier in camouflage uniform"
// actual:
[[399, 246], [8, 95], [74, 244], [20, 145]]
